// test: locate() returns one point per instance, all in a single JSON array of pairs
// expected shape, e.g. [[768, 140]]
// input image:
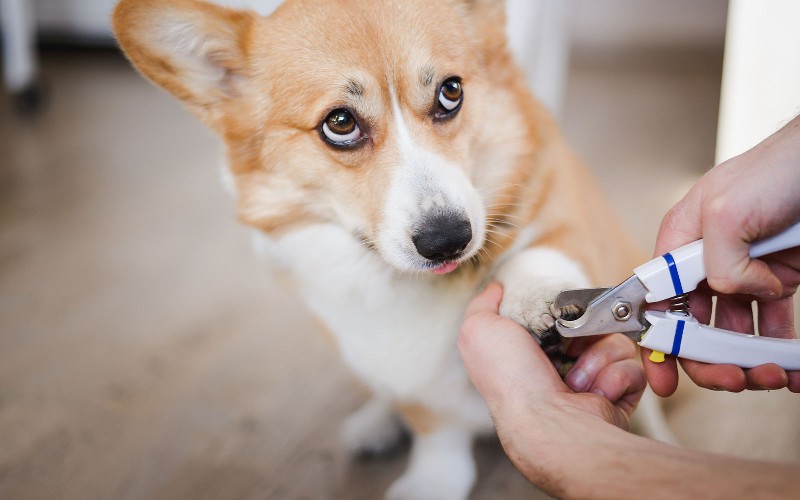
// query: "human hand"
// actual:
[[745, 199], [536, 413]]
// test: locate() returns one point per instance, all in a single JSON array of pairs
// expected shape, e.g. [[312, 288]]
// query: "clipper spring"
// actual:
[[680, 304]]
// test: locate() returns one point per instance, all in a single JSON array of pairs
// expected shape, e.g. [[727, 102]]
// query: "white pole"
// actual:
[[18, 30]]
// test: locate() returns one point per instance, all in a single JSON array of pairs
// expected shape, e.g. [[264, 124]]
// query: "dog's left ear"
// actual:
[[195, 50], [488, 18], [494, 10]]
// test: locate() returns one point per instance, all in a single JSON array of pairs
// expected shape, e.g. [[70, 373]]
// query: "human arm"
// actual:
[[745, 199], [574, 444]]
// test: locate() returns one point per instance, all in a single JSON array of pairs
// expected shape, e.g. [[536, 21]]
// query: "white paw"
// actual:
[[531, 281], [372, 429], [531, 307], [433, 484], [441, 468]]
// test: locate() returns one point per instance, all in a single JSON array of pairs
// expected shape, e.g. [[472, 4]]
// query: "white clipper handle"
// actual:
[[685, 337], [680, 271]]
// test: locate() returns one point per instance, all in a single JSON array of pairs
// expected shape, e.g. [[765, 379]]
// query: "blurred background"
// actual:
[[147, 352]]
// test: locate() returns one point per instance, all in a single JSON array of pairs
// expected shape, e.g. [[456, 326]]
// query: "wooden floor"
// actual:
[[146, 352]]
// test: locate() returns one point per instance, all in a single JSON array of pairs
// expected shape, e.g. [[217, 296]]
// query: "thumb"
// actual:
[[729, 267], [501, 357]]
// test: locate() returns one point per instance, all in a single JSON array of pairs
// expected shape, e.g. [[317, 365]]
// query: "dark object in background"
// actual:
[[31, 100]]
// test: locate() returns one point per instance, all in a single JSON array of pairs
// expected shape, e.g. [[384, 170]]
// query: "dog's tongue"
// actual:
[[445, 268]]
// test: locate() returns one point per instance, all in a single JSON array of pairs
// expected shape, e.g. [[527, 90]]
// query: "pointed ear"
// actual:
[[494, 10], [194, 50], [488, 19]]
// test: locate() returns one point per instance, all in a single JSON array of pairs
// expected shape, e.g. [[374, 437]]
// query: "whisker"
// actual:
[[503, 209], [483, 255], [503, 223], [498, 233], [496, 243], [503, 216]]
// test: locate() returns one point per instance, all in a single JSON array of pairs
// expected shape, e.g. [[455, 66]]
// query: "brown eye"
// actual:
[[340, 128], [450, 96]]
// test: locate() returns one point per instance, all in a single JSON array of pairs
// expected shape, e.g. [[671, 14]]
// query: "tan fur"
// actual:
[[418, 418]]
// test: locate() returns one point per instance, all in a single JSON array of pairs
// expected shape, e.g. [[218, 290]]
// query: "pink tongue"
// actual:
[[445, 268]]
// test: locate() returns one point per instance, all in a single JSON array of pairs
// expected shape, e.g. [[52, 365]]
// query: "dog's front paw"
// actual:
[[531, 281], [435, 483], [420, 487], [441, 467], [533, 309]]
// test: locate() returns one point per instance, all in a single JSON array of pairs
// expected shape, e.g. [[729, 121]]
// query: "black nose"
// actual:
[[443, 237]]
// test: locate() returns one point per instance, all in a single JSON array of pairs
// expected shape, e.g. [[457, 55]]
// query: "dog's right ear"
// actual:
[[194, 50]]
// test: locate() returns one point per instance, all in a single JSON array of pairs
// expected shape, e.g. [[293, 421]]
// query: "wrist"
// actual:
[[557, 440]]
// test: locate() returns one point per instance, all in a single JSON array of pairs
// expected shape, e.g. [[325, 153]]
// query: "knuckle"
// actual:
[[717, 206]]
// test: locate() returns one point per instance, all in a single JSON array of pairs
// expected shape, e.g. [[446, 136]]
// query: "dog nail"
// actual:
[[563, 368], [570, 312], [548, 320]]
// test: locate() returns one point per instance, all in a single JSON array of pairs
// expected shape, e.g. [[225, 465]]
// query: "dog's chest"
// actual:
[[398, 333]]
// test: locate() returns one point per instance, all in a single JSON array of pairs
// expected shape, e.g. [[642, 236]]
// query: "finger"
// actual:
[[501, 357], [734, 314], [700, 304], [602, 353], [717, 377], [726, 250], [662, 377], [786, 266], [486, 301], [794, 381], [579, 345], [622, 383], [776, 319], [681, 225], [766, 377]]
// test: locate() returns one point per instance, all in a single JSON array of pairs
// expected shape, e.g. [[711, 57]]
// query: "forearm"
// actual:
[[644, 468], [572, 454]]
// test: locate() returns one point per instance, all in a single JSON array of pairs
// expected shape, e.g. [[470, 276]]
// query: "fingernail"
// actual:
[[765, 294], [599, 392], [577, 380]]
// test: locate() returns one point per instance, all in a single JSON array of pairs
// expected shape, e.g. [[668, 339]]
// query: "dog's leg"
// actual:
[[531, 280], [441, 466], [373, 429]]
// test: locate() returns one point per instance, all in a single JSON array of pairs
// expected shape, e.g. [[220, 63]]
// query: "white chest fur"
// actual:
[[396, 332]]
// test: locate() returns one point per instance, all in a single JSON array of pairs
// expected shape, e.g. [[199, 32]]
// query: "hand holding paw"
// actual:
[[533, 409]]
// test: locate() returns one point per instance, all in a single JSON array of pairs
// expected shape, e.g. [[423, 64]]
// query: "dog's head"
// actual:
[[371, 114]]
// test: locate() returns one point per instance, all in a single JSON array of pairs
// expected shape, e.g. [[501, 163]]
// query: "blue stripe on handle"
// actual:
[[676, 341], [673, 272]]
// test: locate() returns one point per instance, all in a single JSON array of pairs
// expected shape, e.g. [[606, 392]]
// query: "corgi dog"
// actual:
[[393, 157]]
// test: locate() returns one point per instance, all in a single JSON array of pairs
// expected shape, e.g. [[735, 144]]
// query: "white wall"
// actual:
[[87, 18], [599, 23], [91, 18], [761, 77], [610, 24]]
